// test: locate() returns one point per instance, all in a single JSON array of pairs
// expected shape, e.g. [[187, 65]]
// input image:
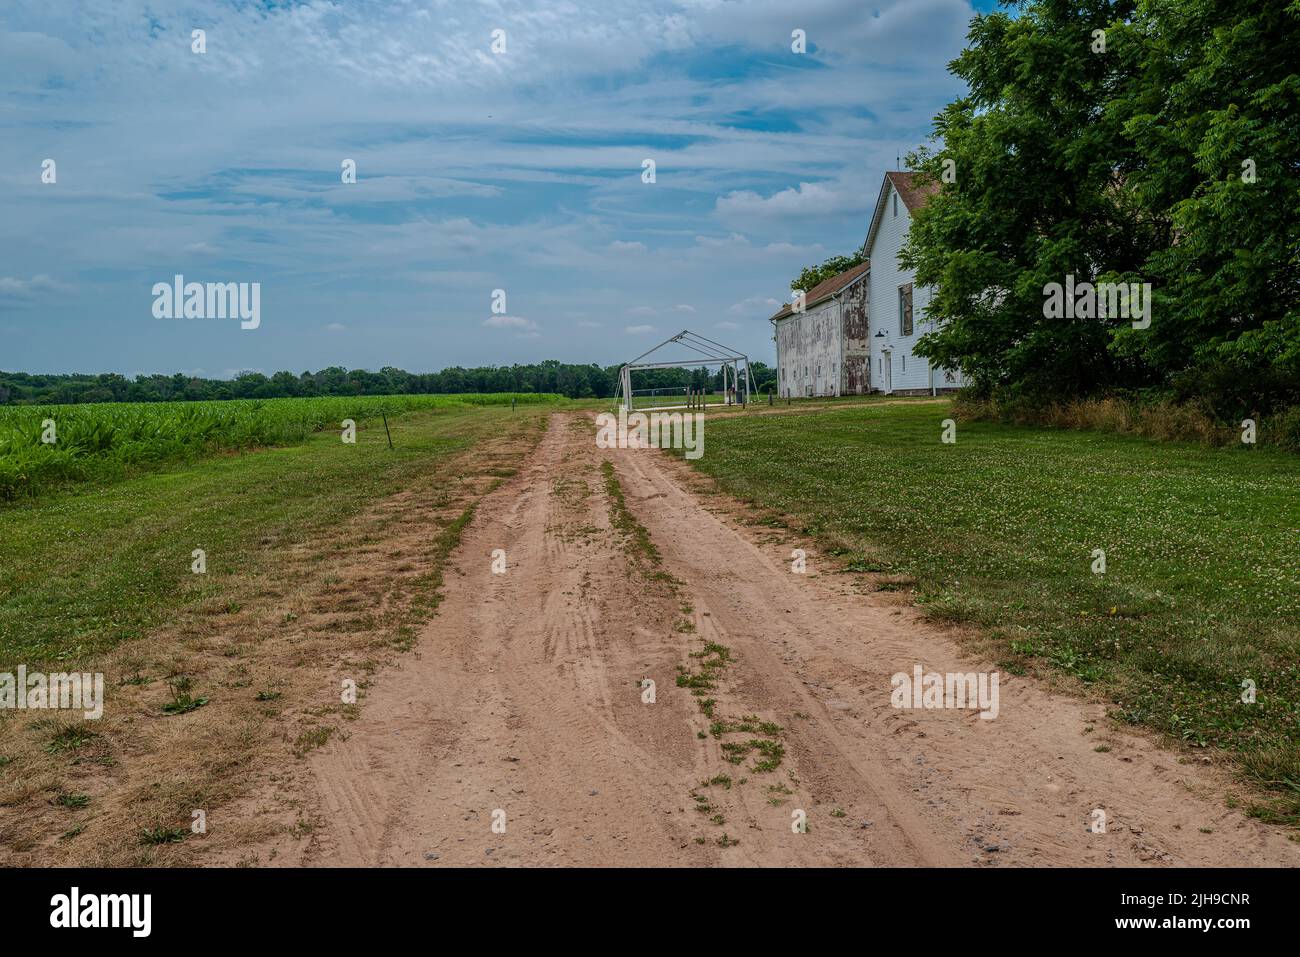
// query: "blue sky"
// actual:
[[475, 171]]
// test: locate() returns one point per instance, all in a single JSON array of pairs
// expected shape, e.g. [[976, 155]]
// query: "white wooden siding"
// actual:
[[910, 371]]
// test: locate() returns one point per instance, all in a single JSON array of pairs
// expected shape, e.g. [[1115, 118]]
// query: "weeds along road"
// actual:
[[520, 729]]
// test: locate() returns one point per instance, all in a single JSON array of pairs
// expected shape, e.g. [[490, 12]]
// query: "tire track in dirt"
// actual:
[[523, 695]]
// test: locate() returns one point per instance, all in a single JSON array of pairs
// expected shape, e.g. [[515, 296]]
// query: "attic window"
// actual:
[[895, 204]]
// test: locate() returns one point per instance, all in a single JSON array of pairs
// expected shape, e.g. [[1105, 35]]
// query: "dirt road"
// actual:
[[518, 731]]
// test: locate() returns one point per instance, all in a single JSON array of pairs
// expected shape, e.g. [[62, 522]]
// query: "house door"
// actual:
[[888, 379]]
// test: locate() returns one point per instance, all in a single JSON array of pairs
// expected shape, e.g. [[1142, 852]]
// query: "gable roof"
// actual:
[[826, 288], [915, 192]]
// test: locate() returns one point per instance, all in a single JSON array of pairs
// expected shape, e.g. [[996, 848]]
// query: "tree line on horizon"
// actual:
[[574, 381]]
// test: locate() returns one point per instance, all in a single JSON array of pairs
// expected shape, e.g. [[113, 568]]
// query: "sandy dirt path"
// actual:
[[523, 705]]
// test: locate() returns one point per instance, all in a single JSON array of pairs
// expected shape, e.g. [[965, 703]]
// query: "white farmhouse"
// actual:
[[898, 305], [858, 329]]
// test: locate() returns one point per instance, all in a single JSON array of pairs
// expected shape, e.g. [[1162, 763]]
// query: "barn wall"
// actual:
[[856, 332], [808, 352]]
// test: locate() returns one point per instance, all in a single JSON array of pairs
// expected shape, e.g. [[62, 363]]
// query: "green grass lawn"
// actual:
[[84, 569], [1202, 548]]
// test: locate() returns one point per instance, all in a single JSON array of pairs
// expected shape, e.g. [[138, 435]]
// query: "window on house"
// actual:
[[895, 204], [905, 310], [904, 363]]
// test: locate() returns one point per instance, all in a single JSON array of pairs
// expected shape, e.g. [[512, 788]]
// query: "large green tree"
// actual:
[[1032, 192], [1215, 121], [1118, 155]]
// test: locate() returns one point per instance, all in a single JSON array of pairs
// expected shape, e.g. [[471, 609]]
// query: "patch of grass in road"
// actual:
[[83, 571], [1202, 585], [163, 835], [69, 738], [312, 739], [428, 589], [623, 520], [182, 701]]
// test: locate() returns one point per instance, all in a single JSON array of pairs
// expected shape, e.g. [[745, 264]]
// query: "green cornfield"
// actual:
[[106, 441]]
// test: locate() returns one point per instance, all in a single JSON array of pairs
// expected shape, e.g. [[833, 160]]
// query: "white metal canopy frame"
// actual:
[[710, 354]]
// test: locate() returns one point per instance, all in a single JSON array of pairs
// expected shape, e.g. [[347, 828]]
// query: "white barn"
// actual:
[[824, 350], [859, 329]]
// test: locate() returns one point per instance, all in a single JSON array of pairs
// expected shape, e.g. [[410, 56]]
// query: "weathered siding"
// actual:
[[857, 375], [824, 352], [855, 326], [808, 352]]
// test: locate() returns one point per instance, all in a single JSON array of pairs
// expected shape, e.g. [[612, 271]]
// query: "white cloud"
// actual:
[[638, 330], [619, 246], [713, 242], [808, 200], [524, 328], [22, 292], [755, 306]]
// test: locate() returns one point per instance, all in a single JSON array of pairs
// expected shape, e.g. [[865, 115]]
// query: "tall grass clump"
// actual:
[[1163, 419]]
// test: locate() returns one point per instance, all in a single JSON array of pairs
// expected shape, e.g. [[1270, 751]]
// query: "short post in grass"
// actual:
[[384, 415]]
